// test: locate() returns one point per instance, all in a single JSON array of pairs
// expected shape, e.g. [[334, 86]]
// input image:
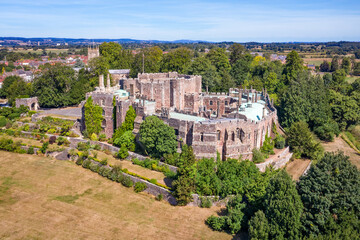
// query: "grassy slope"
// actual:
[[42, 198]]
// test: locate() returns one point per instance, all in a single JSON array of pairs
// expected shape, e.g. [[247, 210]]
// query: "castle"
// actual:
[[230, 123]]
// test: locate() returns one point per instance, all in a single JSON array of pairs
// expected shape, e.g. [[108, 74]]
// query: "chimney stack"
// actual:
[[108, 82], [101, 83]]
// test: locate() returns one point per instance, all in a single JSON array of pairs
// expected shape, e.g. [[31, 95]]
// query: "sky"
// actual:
[[208, 20]]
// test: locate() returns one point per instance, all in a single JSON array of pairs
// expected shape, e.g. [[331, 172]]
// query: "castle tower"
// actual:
[[93, 53]]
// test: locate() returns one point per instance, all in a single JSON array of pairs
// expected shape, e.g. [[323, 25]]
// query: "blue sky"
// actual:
[[226, 20]]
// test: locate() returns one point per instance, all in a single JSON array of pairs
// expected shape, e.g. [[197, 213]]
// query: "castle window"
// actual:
[[233, 136], [238, 133], [103, 112], [218, 135], [103, 124], [202, 137], [176, 132], [242, 135], [226, 102], [211, 102]]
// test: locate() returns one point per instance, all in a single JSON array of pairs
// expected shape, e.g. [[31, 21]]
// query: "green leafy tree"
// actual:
[[184, 185], [177, 60], [14, 87], [328, 190], [53, 86], [338, 79], [237, 52], [302, 142], [346, 65], [283, 207], [218, 58], [294, 65], [335, 64], [93, 117], [115, 55], [149, 58], [240, 70], [345, 109], [127, 140], [157, 137], [325, 66], [271, 82], [259, 226], [210, 77], [127, 125]]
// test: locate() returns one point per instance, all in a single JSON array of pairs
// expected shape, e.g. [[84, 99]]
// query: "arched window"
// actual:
[[238, 133], [202, 137], [218, 135], [211, 102], [242, 135], [233, 136]]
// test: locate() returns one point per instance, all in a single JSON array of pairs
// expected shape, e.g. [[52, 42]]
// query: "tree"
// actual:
[[115, 55], [126, 140], [271, 82], [149, 59], [294, 64], [157, 137], [345, 109], [301, 141], [259, 226], [14, 87], [210, 78], [330, 189], [127, 125], [346, 65], [93, 117], [335, 64], [325, 66], [283, 207], [219, 59], [184, 185], [305, 99], [357, 69], [176, 60], [240, 70], [53, 86], [237, 51], [357, 54]]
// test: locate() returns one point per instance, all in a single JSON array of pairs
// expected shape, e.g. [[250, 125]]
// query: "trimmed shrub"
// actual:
[[153, 181], [205, 202], [257, 156], [30, 150], [279, 142], [139, 187], [104, 161], [102, 137], [159, 197], [44, 147], [127, 182], [3, 121], [52, 139], [123, 153], [217, 223]]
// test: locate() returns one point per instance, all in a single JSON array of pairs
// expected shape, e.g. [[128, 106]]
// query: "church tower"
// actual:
[[93, 53]]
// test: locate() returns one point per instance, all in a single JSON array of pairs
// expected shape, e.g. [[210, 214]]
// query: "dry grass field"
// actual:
[[297, 167], [340, 144], [43, 198]]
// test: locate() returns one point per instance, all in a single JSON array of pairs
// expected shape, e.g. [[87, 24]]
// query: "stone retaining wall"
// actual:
[[279, 162], [151, 188]]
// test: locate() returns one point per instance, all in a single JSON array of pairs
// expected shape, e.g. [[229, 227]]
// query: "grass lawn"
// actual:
[[43, 198]]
